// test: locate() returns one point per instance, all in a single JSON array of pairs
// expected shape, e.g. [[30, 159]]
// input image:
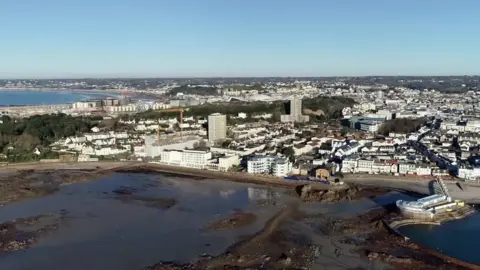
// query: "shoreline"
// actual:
[[4, 89], [376, 241], [470, 195], [68, 173], [92, 94]]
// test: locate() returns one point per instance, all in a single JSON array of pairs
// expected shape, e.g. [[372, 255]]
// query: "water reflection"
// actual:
[[227, 193], [262, 194], [99, 227]]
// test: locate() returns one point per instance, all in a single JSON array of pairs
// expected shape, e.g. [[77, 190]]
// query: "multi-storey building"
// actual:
[[226, 162], [364, 165], [349, 165], [295, 112], [217, 127], [407, 168], [186, 158], [277, 166]]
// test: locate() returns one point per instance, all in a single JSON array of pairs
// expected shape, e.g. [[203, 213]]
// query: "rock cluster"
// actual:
[[389, 258], [309, 193]]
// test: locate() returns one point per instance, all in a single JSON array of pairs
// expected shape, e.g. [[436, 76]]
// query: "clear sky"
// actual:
[[182, 38]]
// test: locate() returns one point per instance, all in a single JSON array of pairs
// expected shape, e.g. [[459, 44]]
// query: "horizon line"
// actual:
[[226, 77]]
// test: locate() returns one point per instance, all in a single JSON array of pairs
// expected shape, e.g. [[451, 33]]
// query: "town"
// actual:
[[302, 129]]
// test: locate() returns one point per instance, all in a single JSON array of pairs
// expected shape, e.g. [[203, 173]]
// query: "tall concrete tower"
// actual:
[[295, 112], [217, 127], [295, 108]]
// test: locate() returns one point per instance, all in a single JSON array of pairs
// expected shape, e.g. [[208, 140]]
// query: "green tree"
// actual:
[[289, 153]]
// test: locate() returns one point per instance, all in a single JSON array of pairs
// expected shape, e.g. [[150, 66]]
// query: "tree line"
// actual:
[[331, 106], [20, 137], [401, 125]]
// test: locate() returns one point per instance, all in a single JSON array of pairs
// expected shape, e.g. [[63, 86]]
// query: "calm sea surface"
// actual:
[[25, 97], [102, 230], [457, 239]]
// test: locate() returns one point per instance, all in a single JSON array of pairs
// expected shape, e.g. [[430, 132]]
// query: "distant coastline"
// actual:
[[13, 89], [44, 96]]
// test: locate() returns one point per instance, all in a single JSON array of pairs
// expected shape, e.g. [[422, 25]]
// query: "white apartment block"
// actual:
[[407, 168], [226, 162], [281, 167], [370, 126], [349, 165], [385, 113], [269, 165], [424, 170], [364, 165], [384, 167], [217, 127], [186, 158], [469, 173], [470, 126]]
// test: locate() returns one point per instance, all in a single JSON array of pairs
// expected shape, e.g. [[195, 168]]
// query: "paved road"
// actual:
[[469, 194]]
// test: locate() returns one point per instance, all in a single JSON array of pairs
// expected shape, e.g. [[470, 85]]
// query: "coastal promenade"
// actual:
[[468, 192]]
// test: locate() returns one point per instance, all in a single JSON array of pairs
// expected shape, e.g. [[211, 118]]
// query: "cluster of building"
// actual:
[[447, 144], [97, 144]]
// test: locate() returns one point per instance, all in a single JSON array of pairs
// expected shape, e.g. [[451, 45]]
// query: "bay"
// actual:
[[48, 97]]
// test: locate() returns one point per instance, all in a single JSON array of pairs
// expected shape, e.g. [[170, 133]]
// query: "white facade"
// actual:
[[105, 151], [349, 149], [281, 167], [349, 165], [381, 167], [385, 113], [364, 165], [469, 173], [258, 165], [370, 126], [269, 165], [225, 163], [217, 127], [186, 158], [86, 158], [424, 170], [407, 168]]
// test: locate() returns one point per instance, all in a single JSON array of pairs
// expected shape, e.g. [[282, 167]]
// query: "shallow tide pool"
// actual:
[[101, 231]]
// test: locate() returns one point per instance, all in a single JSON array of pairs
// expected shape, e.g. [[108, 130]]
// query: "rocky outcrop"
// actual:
[[309, 193], [389, 258]]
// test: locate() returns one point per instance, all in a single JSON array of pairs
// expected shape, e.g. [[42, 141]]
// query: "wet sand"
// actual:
[[203, 224], [23, 184], [238, 219], [146, 218], [375, 242], [20, 234]]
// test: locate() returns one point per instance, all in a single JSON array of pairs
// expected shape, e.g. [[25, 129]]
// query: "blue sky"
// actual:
[[164, 38]]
